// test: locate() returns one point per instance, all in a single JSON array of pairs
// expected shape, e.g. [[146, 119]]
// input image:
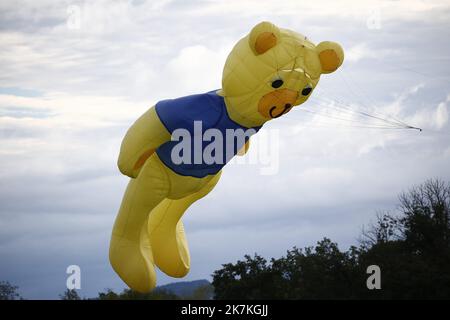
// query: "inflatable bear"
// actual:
[[267, 73]]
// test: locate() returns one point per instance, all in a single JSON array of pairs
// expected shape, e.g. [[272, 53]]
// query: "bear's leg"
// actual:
[[130, 251], [166, 232]]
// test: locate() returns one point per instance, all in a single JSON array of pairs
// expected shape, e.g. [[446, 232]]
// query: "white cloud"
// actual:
[[198, 66], [441, 114], [432, 117], [364, 51], [349, 8]]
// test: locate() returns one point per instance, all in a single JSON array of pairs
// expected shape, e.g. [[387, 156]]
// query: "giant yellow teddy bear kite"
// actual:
[[267, 73]]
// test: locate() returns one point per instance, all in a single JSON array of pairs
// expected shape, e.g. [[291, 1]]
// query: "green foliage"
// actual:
[[8, 291], [412, 248], [310, 273], [70, 294], [129, 294], [205, 292]]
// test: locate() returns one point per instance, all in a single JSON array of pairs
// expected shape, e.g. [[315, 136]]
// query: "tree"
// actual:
[[108, 295], [205, 292], [411, 246], [8, 291], [426, 215], [128, 294], [414, 254], [322, 272], [248, 279], [70, 294]]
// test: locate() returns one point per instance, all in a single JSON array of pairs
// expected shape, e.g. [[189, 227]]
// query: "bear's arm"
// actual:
[[140, 142]]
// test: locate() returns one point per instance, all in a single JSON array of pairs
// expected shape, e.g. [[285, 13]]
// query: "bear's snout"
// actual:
[[276, 103]]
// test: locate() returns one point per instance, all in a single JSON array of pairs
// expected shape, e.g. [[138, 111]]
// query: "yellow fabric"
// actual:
[[247, 75], [170, 249], [330, 56], [148, 230], [147, 133]]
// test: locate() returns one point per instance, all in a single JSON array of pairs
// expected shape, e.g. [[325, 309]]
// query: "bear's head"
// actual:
[[271, 70]]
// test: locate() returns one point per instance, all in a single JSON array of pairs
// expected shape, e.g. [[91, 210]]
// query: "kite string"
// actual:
[[353, 124], [364, 95], [327, 124], [345, 108], [346, 119], [350, 112]]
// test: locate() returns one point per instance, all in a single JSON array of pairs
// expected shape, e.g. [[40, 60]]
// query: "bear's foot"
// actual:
[[166, 233], [171, 252], [133, 262]]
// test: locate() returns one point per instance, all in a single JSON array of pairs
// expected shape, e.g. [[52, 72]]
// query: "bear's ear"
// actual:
[[331, 56], [263, 37]]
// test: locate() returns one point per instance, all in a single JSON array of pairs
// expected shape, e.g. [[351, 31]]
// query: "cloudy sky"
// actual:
[[74, 75]]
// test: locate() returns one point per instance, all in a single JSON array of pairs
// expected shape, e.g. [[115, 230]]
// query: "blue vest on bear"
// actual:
[[196, 114]]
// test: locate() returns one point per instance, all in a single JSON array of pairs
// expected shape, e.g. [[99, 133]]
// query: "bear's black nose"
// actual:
[[287, 105]]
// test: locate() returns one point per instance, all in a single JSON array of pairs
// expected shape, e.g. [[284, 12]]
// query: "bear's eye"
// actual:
[[277, 83], [307, 90]]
